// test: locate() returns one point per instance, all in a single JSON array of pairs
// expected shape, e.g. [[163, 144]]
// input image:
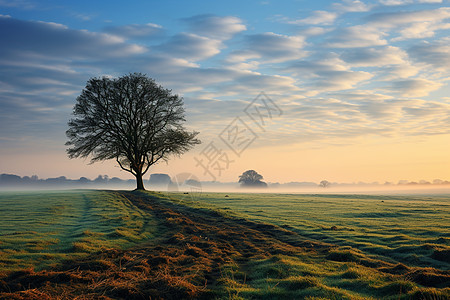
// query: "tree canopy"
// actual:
[[324, 183], [130, 119], [251, 178]]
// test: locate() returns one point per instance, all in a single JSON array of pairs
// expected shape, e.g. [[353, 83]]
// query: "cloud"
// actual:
[[328, 74], [253, 83], [393, 26], [243, 60], [275, 48], [412, 24], [192, 79], [422, 109], [191, 47], [395, 2], [360, 95], [408, 117], [205, 39], [416, 87], [266, 48], [341, 80], [318, 17], [44, 65], [347, 116], [30, 38], [135, 30], [352, 6], [436, 54], [371, 57], [356, 36], [391, 19], [421, 30], [404, 2], [400, 71], [388, 110], [215, 27], [331, 120], [315, 67], [82, 17], [23, 4], [313, 31]]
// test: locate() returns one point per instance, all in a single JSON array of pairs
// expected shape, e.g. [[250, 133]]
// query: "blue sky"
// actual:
[[348, 75]]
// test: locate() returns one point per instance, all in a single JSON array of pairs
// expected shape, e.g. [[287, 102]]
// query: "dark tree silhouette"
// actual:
[[251, 178], [159, 179], [324, 183], [130, 119]]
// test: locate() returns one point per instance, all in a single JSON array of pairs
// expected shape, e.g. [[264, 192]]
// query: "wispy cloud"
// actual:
[[31, 39], [215, 27], [318, 17], [436, 54], [23, 4], [272, 47], [372, 57], [352, 6], [411, 24], [416, 87], [191, 47], [356, 36], [404, 2], [130, 31]]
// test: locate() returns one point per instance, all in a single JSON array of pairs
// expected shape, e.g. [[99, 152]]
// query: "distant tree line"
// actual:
[[156, 180], [11, 180], [162, 181]]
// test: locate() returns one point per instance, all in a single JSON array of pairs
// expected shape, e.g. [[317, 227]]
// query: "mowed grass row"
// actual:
[[39, 229], [413, 230]]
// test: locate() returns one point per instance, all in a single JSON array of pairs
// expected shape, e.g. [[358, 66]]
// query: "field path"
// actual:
[[190, 258]]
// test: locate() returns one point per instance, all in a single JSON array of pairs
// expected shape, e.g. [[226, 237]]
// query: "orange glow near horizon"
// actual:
[[367, 160]]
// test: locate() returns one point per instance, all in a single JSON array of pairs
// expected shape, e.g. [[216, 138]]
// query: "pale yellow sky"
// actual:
[[367, 160]]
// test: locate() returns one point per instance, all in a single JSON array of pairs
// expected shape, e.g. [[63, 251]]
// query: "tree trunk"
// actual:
[[139, 182]]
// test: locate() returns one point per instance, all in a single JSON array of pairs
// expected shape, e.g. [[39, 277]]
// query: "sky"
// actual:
[[297, 90]]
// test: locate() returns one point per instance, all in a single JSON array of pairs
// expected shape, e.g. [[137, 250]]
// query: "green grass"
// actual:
[[39, 229], [290, 277], [405, 230], [414, 230]]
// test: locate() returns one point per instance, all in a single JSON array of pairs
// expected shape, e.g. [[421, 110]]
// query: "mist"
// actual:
[[188, 183]]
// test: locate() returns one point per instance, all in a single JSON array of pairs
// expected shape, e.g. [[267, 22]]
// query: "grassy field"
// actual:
[[39, 229], [405, 232], [414, 230], [132, 245]]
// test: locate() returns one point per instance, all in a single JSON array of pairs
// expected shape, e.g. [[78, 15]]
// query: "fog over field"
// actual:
[[187, 183]]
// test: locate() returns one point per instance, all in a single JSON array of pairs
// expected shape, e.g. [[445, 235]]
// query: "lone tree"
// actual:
[[130, 119], [324, 183], [251, 178]]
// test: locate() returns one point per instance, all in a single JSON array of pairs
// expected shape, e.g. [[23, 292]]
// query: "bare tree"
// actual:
[[130, 119]]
